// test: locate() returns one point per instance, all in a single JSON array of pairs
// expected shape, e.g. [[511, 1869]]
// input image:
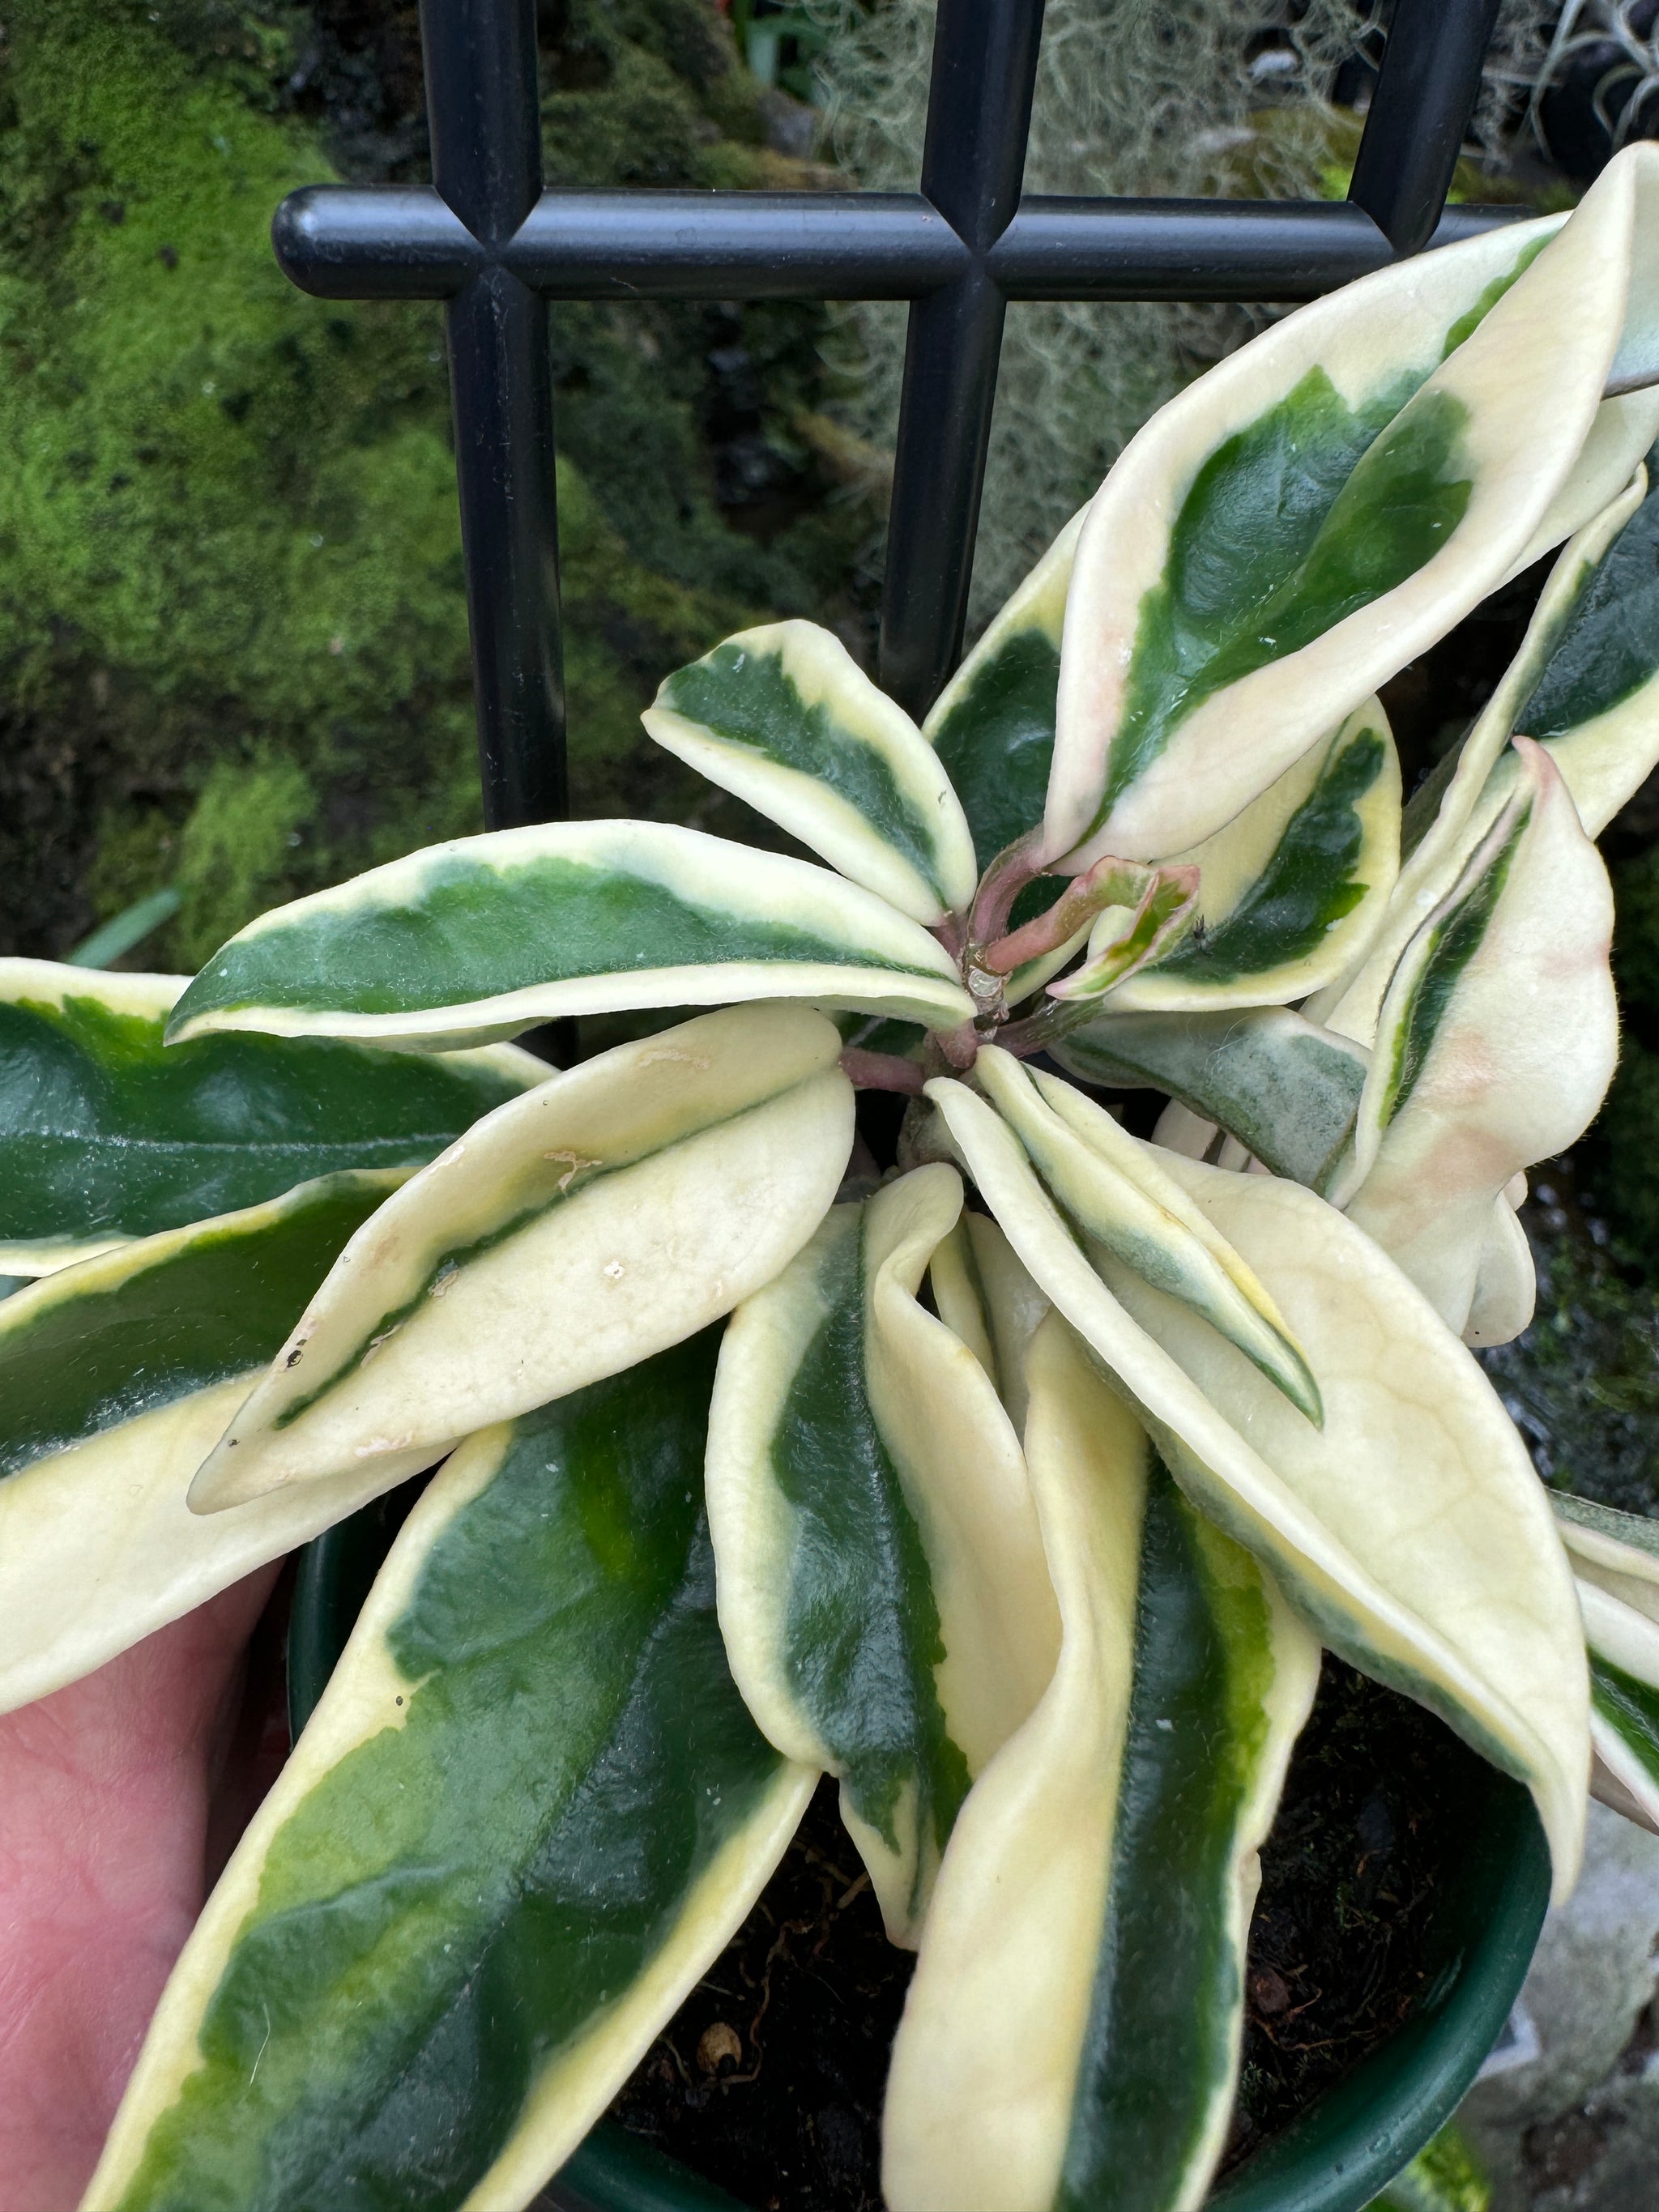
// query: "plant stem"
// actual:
[[881, 1071]]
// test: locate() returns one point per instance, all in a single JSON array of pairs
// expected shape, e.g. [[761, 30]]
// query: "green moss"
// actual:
[[236, 845], [1582, 1382], [229, 542]]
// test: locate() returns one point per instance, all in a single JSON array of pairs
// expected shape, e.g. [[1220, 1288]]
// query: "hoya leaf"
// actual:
[[1324, 504], [1068, 2039], [1615, 1558], [786, 718], [106, 1135], [1496, 1043], [1287, 1090], [598, 1219], [1410, 1532], [993, 726], [527, 1813], [1290, 892], [117, 1377], [1505, 1282], [1127, 940], [480, 937], [983, 1294], [1117, 1195], [886, 1608], [1589, 652]]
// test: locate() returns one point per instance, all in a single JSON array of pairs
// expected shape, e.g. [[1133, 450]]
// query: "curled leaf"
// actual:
[[1288, 1090], [117, 1377], [785, 717], [1119, 1198], [411, 1986], [1068, 2039], [882, 1592], [1496, 1043], [484, 936], [625, 1204], [1328, 501], [1410, 1532]]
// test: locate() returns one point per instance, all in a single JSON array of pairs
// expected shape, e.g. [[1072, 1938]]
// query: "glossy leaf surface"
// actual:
[[527, 1813], [1615, 1558], [481, 938], [598, 1219], [784, 717], [1590, 650], [1118, 1197], [1287, 1090], [117, 1377], [1069, 2041], [1305, 519], [1291, 890], [1410, 1532], [993, 726], [1496, 1042], [105, 1134], [882, 1585]]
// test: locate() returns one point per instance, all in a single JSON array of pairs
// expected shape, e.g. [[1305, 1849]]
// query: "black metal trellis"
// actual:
[[489, 239]]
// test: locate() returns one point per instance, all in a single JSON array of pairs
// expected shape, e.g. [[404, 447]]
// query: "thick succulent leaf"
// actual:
[[1069, 2041], [1496, 1044], [1291, 890], [527, 1815], [993, 726], [106, 1135], [1118, 1198], [786, 718], [480, 937], [1585, 673], [982, 1294], [1128, 939], [1505, 1282], [887, 1611], [1325, 503], [1615, 1558], [580, 1228], [1287, 1090], [1410, 1532], [117, 1377]]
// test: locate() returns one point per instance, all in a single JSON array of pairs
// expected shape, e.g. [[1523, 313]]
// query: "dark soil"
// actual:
[[768, 2080], [1377, 1800]]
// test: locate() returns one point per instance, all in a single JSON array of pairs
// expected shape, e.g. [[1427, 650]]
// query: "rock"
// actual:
[[1576, 2127]]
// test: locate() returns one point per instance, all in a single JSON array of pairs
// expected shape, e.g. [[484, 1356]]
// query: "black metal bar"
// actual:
[[483, 112], [979, 117], [1268, 249], [722, 246], [1425, 94], [492, 243], [393, 242], [373, 242]]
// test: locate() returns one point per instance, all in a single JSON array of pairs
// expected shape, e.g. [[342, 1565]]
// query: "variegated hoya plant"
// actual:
[[1019, 1488]]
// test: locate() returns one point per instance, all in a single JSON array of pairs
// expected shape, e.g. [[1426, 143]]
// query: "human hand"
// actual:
[[120, 1798]]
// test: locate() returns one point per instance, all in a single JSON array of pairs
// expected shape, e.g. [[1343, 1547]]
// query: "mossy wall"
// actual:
[[232, 636]]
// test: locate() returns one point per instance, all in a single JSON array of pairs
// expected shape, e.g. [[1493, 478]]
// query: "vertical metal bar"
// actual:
[[1425, 94], [979, 116], [484, 112]]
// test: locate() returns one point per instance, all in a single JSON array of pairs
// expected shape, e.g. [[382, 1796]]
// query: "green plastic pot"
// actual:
[[1344, 2148]]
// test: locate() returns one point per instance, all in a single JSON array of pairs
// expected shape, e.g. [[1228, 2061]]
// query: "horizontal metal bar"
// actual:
[[353, 242], [1270, 250], [722, 245], [373, 242]]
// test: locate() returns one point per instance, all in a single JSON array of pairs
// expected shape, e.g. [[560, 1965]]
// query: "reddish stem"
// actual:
[[1015, 867], [881, 1071]]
